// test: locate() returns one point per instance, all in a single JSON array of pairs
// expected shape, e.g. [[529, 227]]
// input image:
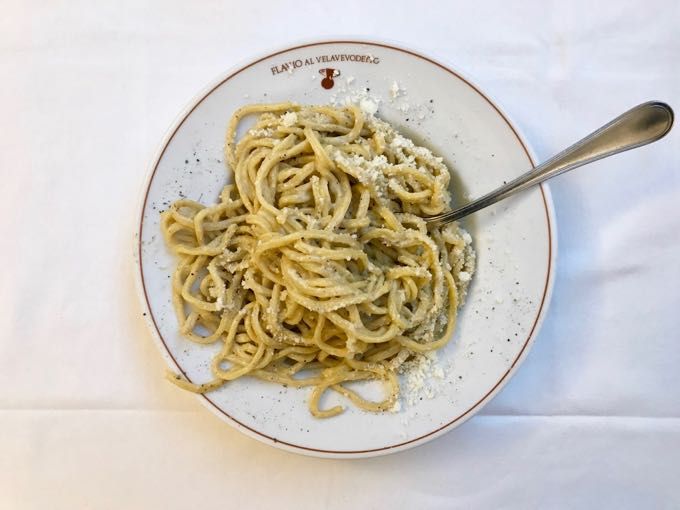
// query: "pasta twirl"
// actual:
[[315, 268]]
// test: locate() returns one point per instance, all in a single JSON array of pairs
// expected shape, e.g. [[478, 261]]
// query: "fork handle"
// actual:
[[646, 123]]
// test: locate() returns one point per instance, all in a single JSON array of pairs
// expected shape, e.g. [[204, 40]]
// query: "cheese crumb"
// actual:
[[368, 106], [262, 133], [394, 90], [289, 118], [424, 377]]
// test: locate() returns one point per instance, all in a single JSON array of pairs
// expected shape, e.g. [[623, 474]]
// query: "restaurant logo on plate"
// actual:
[[329, 73]]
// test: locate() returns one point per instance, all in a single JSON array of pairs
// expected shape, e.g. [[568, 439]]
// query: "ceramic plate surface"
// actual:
[[515, 240]]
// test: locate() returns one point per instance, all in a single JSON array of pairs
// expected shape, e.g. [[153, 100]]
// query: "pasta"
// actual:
[[315, 268]]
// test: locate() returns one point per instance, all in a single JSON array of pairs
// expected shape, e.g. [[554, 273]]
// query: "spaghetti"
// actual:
[[316, 268]]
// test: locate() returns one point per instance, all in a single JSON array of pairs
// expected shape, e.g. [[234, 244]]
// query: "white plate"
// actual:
[[515, 240]]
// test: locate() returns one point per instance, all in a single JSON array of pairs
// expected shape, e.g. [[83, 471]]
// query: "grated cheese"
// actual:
[[394, 90], [423, 377], [261, 133], [368, 106], [289, 118]]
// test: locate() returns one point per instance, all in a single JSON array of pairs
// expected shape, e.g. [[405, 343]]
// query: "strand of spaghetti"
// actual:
[[242, 112]]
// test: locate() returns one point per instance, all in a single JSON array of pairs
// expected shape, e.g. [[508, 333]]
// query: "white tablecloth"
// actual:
[[592, 419]]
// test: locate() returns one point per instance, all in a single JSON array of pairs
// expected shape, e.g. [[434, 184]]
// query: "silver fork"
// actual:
[[646, 123]]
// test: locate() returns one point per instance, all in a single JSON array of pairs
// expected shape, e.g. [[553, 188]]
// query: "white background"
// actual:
[[591, 420]]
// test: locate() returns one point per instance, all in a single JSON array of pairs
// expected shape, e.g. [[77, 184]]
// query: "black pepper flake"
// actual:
[[186, 161], [198, 160], [144, 314], [431, 100]]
